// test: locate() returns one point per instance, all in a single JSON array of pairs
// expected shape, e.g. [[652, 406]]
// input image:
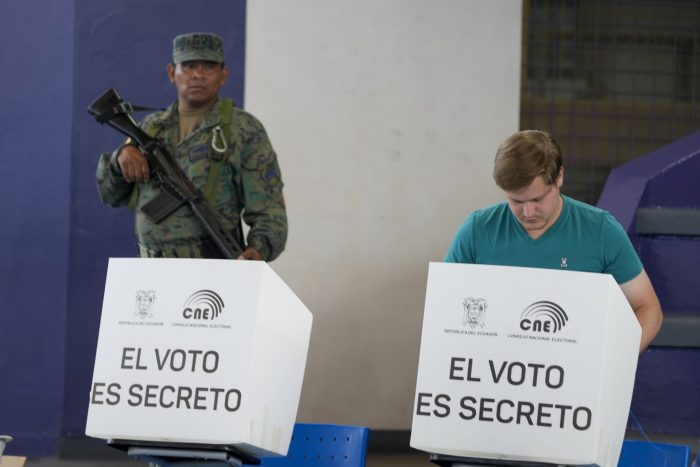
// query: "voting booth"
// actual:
[[200, 353], [524, 364]]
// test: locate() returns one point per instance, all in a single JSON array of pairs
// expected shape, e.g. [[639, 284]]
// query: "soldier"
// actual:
[[539, 227], [223, 150]]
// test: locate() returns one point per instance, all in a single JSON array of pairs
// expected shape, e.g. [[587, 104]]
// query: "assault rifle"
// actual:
[[176, 189]]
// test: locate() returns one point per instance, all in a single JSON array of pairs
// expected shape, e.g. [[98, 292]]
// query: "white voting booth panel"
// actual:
[[524, 364], [198, 351]]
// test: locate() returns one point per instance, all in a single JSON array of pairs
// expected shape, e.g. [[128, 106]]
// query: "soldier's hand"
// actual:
[[133, 164], [251, 254]]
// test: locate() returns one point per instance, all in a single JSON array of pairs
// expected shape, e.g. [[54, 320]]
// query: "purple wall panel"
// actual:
[[667, 177], [627, 186], [672, 264], [678, 185], [666, 395], [667, 389]]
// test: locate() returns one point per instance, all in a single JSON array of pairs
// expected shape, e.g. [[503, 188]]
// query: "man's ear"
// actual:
[[171, 72], [560, 177], [224, 73]]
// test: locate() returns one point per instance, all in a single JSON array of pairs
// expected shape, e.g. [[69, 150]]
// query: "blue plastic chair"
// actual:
[[312, 445], [319, 445], [647, 454]]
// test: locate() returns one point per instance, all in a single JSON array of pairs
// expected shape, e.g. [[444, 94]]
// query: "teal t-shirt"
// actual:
[[584, 238]]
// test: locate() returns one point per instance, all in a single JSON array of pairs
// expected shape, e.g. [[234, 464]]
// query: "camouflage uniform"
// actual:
[[249, 186]]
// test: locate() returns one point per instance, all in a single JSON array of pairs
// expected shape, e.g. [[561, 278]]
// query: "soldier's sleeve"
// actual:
[[264, 209], [114, 190]]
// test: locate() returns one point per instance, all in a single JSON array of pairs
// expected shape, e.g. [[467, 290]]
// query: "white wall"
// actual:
[[386, 115]]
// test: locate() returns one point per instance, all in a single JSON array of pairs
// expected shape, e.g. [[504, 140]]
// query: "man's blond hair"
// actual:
[[524, 156]]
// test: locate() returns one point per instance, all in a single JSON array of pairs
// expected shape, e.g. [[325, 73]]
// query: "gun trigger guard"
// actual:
[[218, 134]]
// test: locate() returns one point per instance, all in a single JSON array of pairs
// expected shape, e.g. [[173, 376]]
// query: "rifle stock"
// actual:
[[176, 188]]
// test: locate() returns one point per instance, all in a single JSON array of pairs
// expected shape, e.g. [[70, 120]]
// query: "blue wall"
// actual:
[[36, 71], [58, 56]]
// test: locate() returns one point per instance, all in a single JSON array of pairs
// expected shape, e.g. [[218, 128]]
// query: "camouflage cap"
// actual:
[[198, 46]]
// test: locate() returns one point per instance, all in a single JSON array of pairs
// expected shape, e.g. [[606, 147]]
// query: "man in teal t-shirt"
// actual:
[[539, 227]]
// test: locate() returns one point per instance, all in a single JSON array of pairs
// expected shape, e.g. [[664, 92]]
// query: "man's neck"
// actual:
[[189, 117], [184, 105], [535, 234]]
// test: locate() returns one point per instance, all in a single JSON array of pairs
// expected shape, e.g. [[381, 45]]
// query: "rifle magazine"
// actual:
[[161, 206]]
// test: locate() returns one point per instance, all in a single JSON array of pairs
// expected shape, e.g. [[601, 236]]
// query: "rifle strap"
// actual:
[[217, 150], [134, 198]]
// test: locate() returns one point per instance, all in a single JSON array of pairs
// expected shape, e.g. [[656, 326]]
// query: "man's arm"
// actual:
[[643, 300], [133, 164], [264, 210], [117, 172]]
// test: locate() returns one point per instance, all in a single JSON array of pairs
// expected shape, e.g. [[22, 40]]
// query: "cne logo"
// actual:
[[543, 316], [203, 305]]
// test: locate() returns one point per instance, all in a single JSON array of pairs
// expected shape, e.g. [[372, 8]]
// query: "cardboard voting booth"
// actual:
[[209, 352], [524, 364]]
